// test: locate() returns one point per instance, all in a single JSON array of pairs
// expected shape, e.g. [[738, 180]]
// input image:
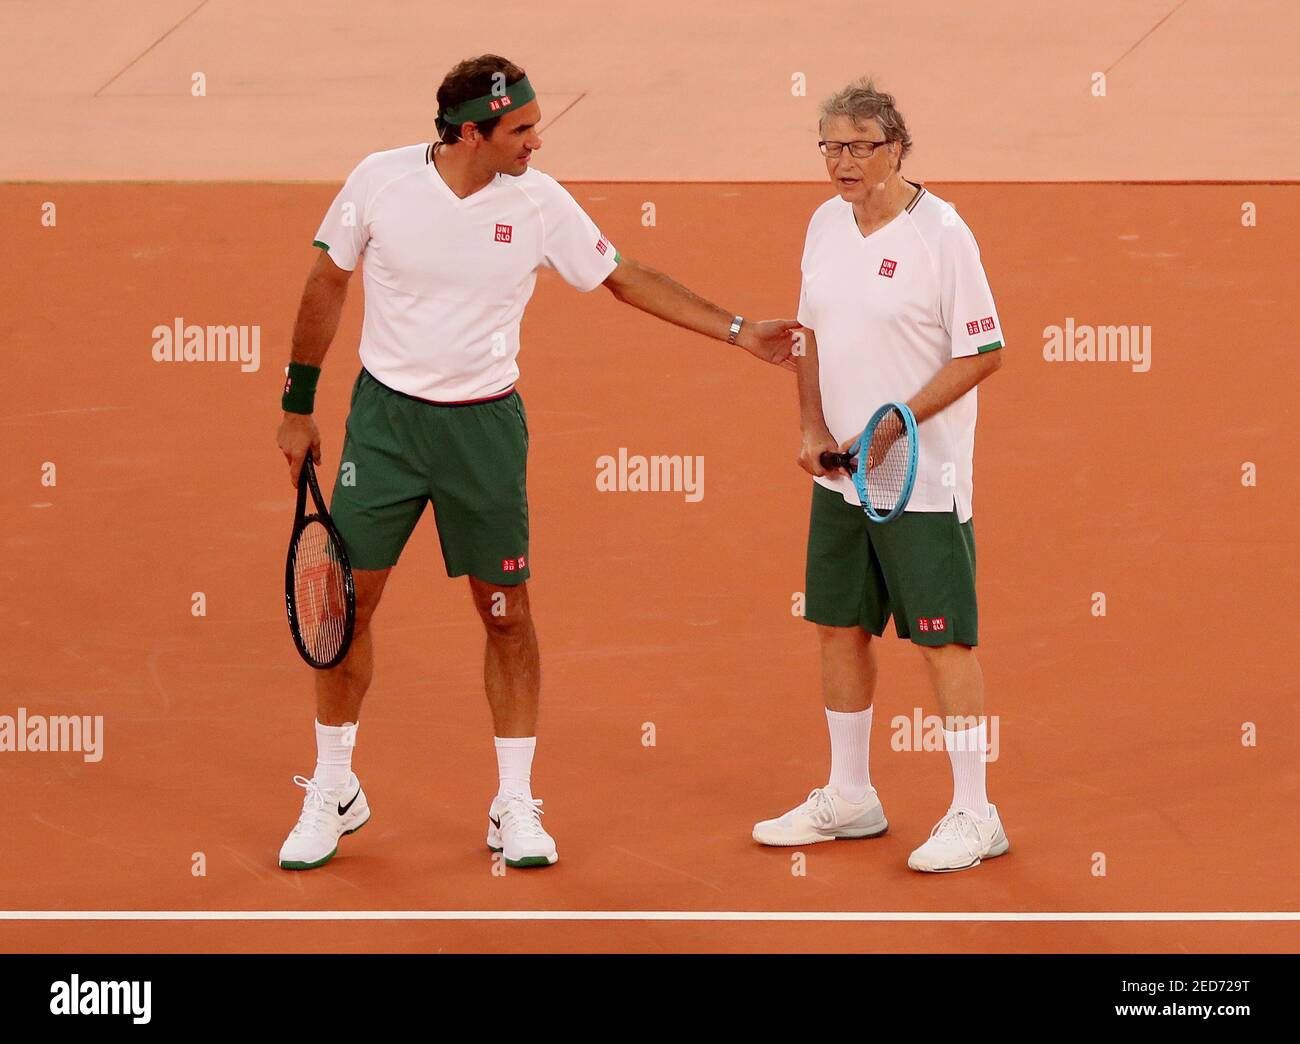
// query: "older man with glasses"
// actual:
[[896, 307]]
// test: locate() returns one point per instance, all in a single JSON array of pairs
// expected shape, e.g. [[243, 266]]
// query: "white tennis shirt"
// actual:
[[889, 310], [446, 279]]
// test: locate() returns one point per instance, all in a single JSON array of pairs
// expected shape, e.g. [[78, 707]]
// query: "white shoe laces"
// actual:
[[314, 805], [525, 817], [819, 807], [959, 825]]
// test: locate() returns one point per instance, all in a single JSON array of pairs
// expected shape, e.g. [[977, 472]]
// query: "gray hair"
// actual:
[[861, 101]]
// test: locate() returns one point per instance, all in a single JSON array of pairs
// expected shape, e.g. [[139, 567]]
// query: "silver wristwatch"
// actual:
[[736, 321]]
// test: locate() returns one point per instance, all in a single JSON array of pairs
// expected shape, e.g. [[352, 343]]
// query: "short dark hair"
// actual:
[[473, 78]]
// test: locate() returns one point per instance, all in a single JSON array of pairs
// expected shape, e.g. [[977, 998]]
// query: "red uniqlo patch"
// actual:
[[288, 383], [507, 565], [887, 268], [602, 245], [496, 104], [986, 324], [973, 328], [521, 561], [503, 233], [922, 623], [931, 623]]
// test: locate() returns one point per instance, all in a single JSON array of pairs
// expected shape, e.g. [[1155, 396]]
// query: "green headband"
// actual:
[[488, 107]]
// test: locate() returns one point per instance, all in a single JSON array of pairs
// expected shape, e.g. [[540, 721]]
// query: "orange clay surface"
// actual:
[[1119, 735]]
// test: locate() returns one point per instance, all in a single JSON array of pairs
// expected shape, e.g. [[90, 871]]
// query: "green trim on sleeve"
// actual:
[[989, 347], [326, 246], [618, 258]]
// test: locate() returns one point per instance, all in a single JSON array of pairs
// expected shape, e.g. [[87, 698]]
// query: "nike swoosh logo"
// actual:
[[343, 809], [495, 822]]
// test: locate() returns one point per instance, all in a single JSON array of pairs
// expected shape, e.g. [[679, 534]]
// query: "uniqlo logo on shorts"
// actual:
[[887, 268], [931, 623], [602, 246], [510, 565], [973, 328], [986, 324], [503, 233]]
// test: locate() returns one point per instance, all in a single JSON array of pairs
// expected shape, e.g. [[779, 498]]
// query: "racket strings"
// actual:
[[888, 462], [320, 593]]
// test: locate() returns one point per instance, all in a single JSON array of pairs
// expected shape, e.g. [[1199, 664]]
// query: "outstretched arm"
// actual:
[[660, 296]]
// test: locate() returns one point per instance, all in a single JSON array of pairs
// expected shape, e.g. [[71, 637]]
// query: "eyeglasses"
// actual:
[[857, 149]]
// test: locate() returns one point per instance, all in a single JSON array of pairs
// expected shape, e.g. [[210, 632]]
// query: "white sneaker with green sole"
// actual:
[[326, 816], [515, 829]]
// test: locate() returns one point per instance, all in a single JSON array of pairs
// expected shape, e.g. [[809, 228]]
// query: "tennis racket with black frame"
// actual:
[[318, 589], [885, 474]]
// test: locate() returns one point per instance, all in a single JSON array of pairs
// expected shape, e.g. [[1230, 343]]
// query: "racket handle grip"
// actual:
[[830, 461]]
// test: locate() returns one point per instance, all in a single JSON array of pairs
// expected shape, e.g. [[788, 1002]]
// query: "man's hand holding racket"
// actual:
[[297, 436], [816, 444], [881, 461]]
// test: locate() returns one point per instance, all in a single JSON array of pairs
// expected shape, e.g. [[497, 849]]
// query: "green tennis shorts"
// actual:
[[470, 461], [919, 568]]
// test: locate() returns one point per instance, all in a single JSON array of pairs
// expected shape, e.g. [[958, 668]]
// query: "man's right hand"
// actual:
[[814, 444], [296, 438]]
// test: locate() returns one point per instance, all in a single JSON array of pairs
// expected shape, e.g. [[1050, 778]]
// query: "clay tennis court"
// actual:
[[1121, 735]]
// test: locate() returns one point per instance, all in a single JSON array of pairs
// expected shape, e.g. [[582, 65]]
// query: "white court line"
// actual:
[[631, 915]]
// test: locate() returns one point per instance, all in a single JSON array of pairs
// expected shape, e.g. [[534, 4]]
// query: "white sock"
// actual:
[[334, 746], [850, 741], [966, 749], [515, 766]]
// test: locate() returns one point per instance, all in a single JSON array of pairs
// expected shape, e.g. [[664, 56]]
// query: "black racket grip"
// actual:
[[830, 461]]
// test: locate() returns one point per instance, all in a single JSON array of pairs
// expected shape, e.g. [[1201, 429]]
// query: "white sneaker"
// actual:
[[326, 816], [515, 828], [959, 841], [825, 816]]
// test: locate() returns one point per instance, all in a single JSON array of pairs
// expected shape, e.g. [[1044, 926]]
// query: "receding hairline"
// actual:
[[862, 101]]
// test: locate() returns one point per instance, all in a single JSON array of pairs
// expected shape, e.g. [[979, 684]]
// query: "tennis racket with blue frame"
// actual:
[[885, 474]]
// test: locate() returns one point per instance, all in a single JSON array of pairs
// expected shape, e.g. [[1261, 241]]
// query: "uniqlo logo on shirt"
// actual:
[[986, 324], [973, 328], [503, 233], [887, 268], [931, 623], [602, 245]]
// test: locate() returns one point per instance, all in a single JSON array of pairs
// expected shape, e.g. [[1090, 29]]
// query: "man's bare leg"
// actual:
[[340, 690], [512, 679], [847, 806], [957, 681], [960, 841], [511, 665], [333, 806], [848, 668]]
